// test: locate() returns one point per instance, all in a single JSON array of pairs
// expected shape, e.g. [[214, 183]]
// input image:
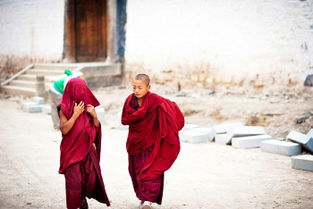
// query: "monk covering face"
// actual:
[[153, 142], [81, 145]]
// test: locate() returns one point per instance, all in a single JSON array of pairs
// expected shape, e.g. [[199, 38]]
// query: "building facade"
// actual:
[[61, 31]]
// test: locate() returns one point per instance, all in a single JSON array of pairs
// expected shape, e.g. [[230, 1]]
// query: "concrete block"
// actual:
[[297, 137], [281, 147], [223, 128], [224, 139], [310, 133], [38, 100], [100, 114], [31, 107], [305, 140], [46, 109], [197, 135], [302, 162], [189, 127], [249, 141], [247, 131]]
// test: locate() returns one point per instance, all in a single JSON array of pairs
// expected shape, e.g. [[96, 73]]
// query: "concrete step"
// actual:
[[97, 73], [26, 77], [32, 77], [56, 66], [45, 72], [22, 83], [17, 90]]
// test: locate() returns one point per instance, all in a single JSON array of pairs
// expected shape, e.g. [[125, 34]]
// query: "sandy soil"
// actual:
[[204, 176]]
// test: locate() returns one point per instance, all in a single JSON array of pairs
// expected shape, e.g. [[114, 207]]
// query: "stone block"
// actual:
[[197, 135], [302, 162], [240, 131], [305, 140], [31, 107], [249, 141], [310, 133], [224, 139], [281, 147], [38, 100], [297, 137], [223, 128], [189, 127], [46, 109]]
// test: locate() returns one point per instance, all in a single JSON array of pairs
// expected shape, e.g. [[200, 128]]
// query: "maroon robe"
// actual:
[[79, 160], [152, 144]]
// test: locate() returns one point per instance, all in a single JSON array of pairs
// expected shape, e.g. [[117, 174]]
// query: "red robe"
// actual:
[[77, 145], [153, 127]]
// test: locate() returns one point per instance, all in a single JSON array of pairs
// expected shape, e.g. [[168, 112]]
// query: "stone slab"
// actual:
[[189, 126], [310, 133], [197, 135], [224, 139], [302, 162], [46, 109], [224, 127], [240, 131], [305, 140], [38, 100], [249, 141], [281, 147], [298, 137], [31, 107]]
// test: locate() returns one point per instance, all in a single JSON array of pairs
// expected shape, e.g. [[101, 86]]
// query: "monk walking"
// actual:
[[153, 143], [81, 146]]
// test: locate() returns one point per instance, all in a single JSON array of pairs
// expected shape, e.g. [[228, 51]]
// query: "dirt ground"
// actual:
[[204, 176]]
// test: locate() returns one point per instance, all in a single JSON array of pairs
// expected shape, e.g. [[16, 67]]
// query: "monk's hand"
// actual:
[[79, 108], [91, 110], [94, 145]]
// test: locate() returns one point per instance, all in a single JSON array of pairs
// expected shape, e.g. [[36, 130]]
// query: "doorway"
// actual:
[[86, 30]]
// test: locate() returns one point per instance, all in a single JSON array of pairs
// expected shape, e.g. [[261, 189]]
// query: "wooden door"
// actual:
[[86, 30]]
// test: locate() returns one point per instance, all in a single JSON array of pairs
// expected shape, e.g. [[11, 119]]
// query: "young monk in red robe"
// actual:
[[80, 146], [153, 143]]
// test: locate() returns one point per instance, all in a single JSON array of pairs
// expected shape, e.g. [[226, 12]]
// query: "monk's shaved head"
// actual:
[[143, 77]]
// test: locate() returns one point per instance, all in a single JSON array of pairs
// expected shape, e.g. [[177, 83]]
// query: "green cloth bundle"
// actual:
[[59, 84]]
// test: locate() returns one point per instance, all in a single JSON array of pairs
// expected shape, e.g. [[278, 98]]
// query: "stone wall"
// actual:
[[31, 31]]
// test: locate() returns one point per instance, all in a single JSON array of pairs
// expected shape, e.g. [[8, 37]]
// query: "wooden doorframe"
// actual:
[[70, 36]]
